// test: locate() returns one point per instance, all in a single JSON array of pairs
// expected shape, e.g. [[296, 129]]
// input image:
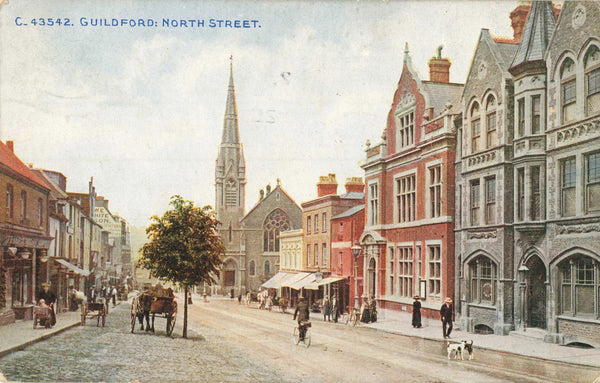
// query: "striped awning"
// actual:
[[292, 281], [276, 280], [325, 281]]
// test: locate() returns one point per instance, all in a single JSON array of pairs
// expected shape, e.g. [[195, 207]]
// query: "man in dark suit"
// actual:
[[447, 316]]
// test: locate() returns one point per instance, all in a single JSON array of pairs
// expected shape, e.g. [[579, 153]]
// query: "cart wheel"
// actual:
[[171, 324]]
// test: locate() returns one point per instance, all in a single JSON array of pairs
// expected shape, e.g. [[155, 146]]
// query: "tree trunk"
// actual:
[[185, 311]]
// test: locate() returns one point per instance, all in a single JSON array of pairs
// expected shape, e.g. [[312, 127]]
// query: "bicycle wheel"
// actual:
[[296, 336], [345, 318], [307, 338]]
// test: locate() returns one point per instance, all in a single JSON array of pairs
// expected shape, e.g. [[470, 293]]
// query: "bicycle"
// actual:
[[296, 334], [351, 317]]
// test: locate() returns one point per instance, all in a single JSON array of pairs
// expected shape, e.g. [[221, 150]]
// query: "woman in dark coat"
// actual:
[[416, 314]]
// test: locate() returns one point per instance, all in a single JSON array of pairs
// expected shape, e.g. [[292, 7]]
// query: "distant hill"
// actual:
[[138, 238]]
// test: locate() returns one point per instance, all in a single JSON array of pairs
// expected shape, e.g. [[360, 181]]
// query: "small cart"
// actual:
[[92, 310], [42, 316]]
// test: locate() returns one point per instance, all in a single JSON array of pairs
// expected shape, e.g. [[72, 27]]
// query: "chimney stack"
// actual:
[[518, 17], [439, 68], [354, 185], [327, 185], [11, 145]]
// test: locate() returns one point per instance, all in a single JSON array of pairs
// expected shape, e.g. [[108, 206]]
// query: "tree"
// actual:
[[184, 247]]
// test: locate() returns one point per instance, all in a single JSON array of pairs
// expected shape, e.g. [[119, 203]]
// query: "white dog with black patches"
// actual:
[[460, 350]]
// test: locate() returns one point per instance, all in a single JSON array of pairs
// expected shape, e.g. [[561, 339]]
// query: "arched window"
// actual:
[[23, 206], [483, 280], [568, 94], [275, 223], [40, 212], [579, 280], [252, 268], [592, 81], [491, 136], [267, 268], [475, 128]]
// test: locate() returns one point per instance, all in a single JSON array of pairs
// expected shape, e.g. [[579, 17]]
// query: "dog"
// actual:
[[455, 349], [468, 350]]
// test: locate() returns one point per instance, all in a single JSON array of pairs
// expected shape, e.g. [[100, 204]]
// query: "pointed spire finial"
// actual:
[[406, 52]]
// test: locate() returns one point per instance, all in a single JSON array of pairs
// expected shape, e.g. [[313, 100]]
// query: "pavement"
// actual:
[[16, 336]]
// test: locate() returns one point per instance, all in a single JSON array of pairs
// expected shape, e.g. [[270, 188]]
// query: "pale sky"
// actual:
[[141, 109]]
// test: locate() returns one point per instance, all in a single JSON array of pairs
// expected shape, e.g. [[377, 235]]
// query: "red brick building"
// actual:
[[408, 239], [346, 229], [318, 235]]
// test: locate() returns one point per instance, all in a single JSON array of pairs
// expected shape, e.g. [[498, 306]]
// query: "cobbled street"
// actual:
[[113, 354]]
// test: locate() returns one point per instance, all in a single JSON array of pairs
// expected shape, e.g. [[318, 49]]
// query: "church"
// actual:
[[251, 239]]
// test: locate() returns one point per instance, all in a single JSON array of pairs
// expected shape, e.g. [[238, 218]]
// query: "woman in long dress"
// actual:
[[416, 314]]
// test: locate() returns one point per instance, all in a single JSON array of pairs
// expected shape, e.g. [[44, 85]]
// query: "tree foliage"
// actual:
[[184, 246]]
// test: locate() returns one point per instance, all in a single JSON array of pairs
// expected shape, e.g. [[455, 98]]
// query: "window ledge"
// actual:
[[482, 305], [587, 319]]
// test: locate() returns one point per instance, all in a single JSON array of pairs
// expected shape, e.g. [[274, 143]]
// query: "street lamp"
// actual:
[[356, 252]]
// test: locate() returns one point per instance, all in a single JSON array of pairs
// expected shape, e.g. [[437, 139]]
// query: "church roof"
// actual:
[[536, 34]]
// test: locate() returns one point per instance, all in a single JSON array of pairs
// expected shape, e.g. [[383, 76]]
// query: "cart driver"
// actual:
[[302, 312], [50, 299]]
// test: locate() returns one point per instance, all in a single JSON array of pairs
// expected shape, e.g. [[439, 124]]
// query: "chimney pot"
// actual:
[[327, 185], [518, 17], [354, 185]]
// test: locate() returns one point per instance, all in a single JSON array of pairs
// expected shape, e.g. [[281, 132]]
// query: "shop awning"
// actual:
[[291, 281], [303, 282], [325, 281], [72, 267], [276, 280]]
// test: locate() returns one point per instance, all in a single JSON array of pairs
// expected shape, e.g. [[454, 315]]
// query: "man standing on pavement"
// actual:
[[447, 316], [302, 313], [50, 298]]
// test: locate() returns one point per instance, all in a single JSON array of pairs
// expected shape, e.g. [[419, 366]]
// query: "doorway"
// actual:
[[536, 293]]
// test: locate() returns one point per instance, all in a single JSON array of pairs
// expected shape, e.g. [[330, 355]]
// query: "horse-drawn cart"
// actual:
[[96, 310], [156, 302]]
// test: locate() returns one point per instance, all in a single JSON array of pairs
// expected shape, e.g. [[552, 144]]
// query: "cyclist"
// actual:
[[302, 313]]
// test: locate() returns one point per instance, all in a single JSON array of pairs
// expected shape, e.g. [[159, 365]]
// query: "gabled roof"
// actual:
[[259, 203], [10, 160], [536, 35], [350, 212]]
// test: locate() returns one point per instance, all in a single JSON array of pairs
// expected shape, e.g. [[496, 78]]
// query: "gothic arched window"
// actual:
[[475, 128], [275, 223], [592, 81], [267, 267], [579, 278], [568, 87], [491, 136], [252, 268]]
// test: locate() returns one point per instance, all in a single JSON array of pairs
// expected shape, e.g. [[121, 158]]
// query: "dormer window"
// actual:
[[405, 121]]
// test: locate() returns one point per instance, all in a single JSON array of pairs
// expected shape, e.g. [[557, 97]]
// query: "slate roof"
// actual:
[[353, 195], [507, 51], [536, 34], [441, 93], [10, 160], [350, 212]]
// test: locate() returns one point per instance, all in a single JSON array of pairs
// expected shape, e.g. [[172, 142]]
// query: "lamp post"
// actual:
[[356, 252], [523, 271]]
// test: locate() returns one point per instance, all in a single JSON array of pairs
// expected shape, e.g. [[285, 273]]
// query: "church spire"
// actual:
[[231, 132]]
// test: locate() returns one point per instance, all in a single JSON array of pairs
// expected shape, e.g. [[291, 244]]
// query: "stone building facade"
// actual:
[[408, 241], [537, 263]]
